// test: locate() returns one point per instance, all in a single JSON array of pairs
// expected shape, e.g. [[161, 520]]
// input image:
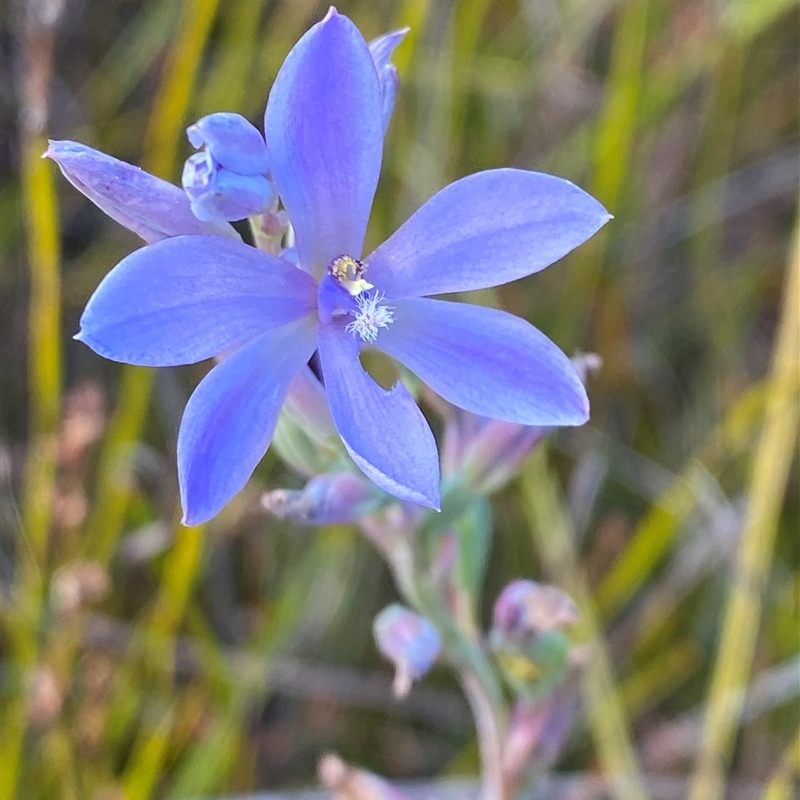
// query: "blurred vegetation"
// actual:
[[140, 659]]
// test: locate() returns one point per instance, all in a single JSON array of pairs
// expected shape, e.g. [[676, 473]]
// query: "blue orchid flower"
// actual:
[[189, 298]]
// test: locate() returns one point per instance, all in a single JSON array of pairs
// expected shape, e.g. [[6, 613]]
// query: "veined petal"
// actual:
[[324, 134], [230, 418], [486, 361], [189, 298], [384, 431], [484, 230], [218, 193], [233, 141], [143, 203]]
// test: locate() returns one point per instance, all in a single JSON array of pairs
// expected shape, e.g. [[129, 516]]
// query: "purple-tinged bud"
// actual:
[[537, 732], [496, 453], [531, 648], [143, 203], [409, 641], [229, 178], [492, 451], [307, 404], [381, 50], [527, 608], [326, 500]]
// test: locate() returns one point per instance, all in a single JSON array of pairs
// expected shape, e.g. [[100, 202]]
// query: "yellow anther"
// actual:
[[350, 274]]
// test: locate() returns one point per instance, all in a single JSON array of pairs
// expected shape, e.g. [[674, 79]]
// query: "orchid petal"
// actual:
[[234, 142], [230, 418], [189, 298], [143, 203], [486, 361], [323, 130], [217, 193], [384, 431], [381, 50], [484, 230]]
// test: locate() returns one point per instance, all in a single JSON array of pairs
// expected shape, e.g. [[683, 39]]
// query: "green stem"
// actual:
[[465, 653]]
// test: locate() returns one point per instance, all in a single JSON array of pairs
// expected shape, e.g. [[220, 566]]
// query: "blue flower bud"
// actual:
[[229, 178], [326, 500], [409, 641]]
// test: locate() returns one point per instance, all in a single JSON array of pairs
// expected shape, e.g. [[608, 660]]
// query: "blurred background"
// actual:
[[142, 660]]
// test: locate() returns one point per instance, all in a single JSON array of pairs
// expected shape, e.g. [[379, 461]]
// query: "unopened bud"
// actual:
[[326, 500], [305, 437], [527, 636], [229, 178], [491, 450], [525, 608], [409, 641]]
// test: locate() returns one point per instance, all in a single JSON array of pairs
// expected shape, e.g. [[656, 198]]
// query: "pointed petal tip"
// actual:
[[57, 148], [191, 519], [580, 415], [332, 12], [431, 501], [52, 147]]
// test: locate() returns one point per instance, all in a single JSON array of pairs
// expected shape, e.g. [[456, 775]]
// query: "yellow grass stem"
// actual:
[[742, 614], [658, 679], [44, 365], [655, 534], [784, 780], [555, 542], [177, 582], [44, 380], [227, 86], [613, 150]]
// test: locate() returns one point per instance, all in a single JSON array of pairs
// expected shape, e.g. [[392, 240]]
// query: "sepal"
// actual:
[[141, 202]]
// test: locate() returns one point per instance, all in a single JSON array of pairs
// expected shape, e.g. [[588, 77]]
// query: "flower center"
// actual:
[[343, 292], [349, 272]]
